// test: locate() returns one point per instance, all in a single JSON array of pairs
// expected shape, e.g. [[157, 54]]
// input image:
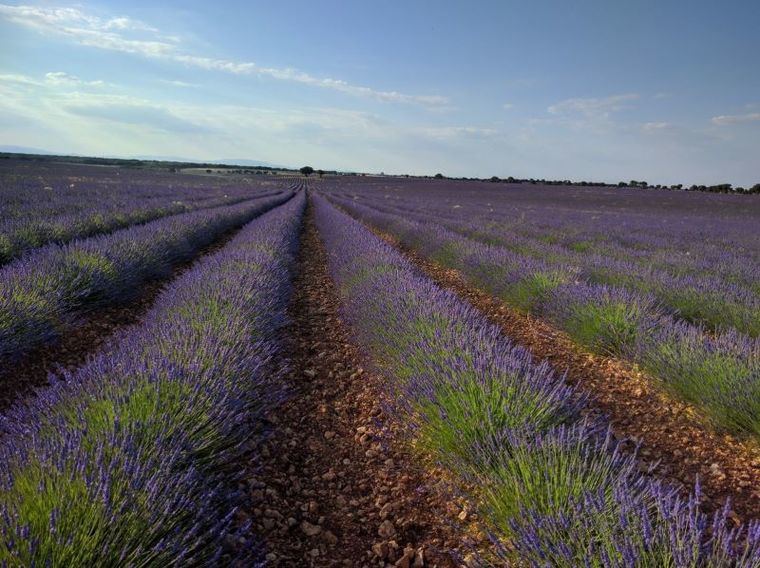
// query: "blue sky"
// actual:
[[663, 91]]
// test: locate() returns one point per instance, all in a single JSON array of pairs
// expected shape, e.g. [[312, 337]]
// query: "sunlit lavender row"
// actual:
[[65, 203], [44, 291], [699, 263], [124, 463], [554, 490], [720, 373]]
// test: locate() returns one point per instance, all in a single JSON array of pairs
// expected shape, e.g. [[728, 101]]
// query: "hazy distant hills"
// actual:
[[226, 161]]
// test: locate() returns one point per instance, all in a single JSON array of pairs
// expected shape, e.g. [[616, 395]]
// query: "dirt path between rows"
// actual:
[[19, 378], [335, 484], [673, 436]]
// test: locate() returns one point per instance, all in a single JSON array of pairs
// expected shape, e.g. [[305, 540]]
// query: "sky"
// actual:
[[662, 91]]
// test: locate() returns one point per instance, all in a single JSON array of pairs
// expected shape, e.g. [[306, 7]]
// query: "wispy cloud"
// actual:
[[726, 119], [593, 107], [52, 79], [62, 78], [175, 83], [655, 126], [134, 112], [507, 106], [111, 34], [19, 79], [457, 132]]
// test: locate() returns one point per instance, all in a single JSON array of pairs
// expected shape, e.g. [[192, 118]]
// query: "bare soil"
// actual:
[[674, 437], [336, 483]]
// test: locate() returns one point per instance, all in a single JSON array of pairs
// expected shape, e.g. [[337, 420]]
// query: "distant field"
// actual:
[[244, 369]]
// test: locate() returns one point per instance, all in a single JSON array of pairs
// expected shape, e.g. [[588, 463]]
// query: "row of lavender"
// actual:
[[126, 462], [46, 290], [718, 372], [47, 190], [680, 241], [719, 291], [685, 233], [555, 490], [33, 213]]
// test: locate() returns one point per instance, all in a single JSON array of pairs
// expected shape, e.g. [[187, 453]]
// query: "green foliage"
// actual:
[[6, 248], [610, 328], [546, 478], [712, 310], [528, 293], [41, 493], [86, 274], [471, 412], [725, 385]]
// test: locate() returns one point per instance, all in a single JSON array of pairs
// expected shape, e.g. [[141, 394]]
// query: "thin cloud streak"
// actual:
[[593, 107], [726, 119], [92, 31]]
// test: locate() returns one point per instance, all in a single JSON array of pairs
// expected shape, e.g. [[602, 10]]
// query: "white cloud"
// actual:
[[593, 107], [726, 119], [507, 106], [110, 34], [176, 83], [61, 78], [655, 126], [454, 132], [18, 79]]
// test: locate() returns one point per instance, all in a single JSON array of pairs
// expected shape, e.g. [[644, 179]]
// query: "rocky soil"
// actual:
[[336, 483]]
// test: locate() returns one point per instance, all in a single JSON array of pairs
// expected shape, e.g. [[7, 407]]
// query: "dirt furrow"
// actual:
[[674, 439], [18, 378], [335, 484]]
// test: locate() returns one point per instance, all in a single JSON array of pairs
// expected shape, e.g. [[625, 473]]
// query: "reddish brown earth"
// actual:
[[336, 485], [19, 378], [672, 435]]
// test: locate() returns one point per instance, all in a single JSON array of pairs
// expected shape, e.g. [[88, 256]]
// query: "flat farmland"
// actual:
[[218, 369]]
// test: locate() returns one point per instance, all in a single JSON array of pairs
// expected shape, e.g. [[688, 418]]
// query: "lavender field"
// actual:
[[223, 369]]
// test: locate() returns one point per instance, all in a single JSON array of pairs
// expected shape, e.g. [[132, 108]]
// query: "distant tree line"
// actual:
[[308, 170]]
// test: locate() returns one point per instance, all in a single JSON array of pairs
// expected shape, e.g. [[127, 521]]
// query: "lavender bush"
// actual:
[[45, 290], [554, 487], [703, 277], [59, 203], [609, 320], [125, 462]]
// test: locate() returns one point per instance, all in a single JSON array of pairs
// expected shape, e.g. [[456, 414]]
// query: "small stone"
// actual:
[[402, 562], [386, 529], [329, 435], [380, 549], [309, 529], [330, 538], [311, 373]]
